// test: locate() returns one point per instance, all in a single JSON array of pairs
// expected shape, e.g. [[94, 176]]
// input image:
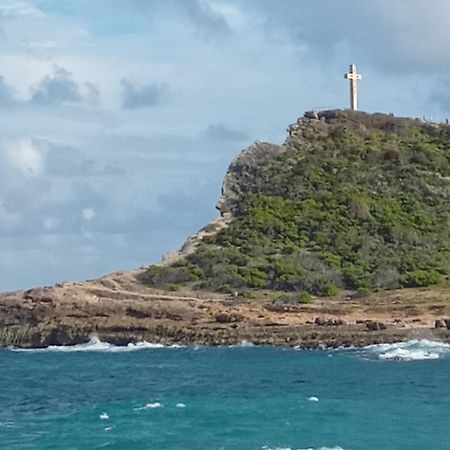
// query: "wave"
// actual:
[[95, 345], [153, 405], [242, 344], [413, 350]]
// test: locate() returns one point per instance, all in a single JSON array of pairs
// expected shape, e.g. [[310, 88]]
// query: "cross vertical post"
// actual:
[[353, 76]]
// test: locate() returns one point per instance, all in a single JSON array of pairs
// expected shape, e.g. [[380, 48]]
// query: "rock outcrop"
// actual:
[[241, 169]]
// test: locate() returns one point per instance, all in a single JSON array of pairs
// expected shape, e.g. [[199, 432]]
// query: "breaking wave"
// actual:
[[413, 350], [94, 345]]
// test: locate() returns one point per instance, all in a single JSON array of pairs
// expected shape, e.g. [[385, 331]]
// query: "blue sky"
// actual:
[[119, 117]]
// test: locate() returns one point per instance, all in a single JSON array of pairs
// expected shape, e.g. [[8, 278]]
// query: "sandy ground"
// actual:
[[120, 309]]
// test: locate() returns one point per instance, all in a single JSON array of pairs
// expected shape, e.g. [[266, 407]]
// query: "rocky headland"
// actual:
[[338, 237]]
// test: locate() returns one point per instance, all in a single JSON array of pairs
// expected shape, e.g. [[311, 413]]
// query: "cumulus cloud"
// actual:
[[134, 97], [24, 156], [58, 88], [222, 132]]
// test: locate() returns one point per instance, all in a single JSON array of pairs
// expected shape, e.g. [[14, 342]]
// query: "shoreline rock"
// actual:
[[120, 309]]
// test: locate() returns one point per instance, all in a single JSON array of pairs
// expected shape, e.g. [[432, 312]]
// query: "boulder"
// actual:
[[226, 318], [439, 323], [372, 325]]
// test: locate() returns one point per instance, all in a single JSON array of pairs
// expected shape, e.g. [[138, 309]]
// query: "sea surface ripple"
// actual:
[[146, 396]]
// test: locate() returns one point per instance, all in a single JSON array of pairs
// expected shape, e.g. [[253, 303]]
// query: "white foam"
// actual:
[[242, 344], [313, 398], [413, 350], [153, 405], [94, 345], [180, 405], [8, 424], [104, 416]]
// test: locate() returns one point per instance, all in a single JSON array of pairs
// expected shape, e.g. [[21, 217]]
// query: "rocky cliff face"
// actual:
[[241, 170]]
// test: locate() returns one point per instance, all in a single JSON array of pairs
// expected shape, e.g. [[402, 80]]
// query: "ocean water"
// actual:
[[97, 396]]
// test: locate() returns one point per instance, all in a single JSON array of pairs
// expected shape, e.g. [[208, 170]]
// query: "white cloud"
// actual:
[[231, 13], [13, 9], [88, 214], [50, 223], [23, 155]]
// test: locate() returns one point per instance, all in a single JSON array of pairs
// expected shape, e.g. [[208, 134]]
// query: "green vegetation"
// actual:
[[356, 201]]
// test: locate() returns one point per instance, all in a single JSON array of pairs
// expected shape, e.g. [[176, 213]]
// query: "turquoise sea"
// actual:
[[245, 397]]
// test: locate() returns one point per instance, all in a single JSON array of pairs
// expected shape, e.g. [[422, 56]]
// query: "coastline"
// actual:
[[120, 309]]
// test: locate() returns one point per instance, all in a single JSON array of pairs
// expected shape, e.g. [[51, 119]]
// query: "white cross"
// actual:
[[353, 76]]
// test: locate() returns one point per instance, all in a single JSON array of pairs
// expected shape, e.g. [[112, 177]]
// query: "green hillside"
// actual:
[[350, 201]]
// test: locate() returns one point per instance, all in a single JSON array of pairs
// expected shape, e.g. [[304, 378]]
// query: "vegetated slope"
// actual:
[[351, 200]]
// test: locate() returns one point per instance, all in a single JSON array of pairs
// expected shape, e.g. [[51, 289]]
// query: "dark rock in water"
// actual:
[[440, 323]]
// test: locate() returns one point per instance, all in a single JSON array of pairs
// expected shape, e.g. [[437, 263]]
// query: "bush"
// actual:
[[305, 297], [329, 290], [421, 278], [167, 276]]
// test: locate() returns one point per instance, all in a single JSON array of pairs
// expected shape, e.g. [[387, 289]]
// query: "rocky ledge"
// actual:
[[120, 308]]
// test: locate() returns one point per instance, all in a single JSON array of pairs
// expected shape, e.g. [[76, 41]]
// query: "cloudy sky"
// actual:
[[118, 118]]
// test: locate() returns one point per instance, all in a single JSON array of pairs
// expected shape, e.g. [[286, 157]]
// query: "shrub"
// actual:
[[329, 290], [167, 276], [421, 278]]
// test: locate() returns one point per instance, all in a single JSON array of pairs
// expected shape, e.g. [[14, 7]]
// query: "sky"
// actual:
[[119, 118]]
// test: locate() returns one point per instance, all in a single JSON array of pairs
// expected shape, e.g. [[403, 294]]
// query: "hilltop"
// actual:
[[339, 236], [351, 201]]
